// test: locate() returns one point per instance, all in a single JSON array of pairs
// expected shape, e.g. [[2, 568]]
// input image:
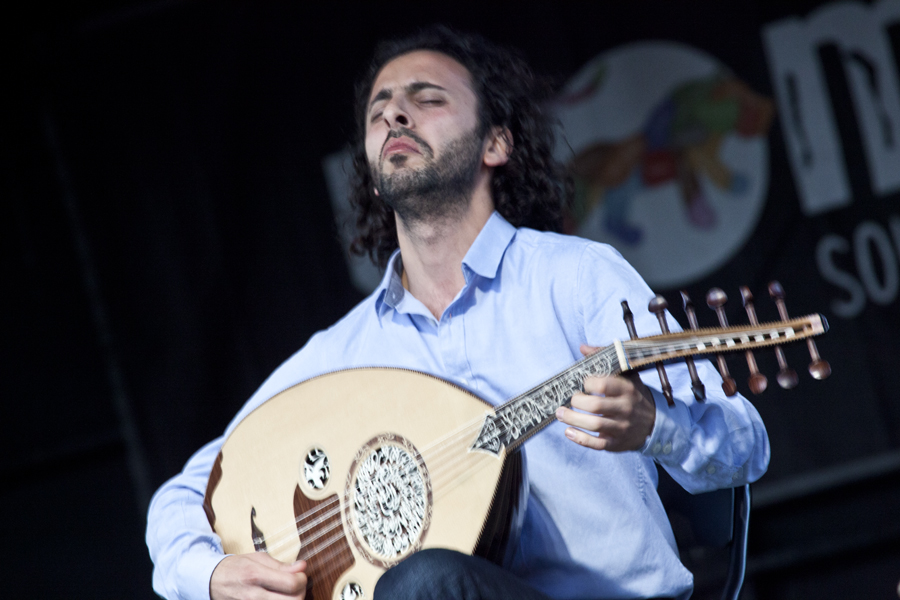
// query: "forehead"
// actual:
[[423, 66]]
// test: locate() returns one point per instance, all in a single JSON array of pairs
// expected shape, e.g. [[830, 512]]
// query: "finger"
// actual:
[[290, 584], [600, 424], [612, 436], [279, 577], [588, 350], [585, 439], [588, 421], [295, 567], [608, 386], [610, 406]]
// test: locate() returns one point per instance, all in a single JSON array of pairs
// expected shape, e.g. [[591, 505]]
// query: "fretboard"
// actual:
[[518, 419]]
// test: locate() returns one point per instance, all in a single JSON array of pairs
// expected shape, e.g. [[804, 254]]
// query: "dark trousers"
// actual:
[[438, 574]]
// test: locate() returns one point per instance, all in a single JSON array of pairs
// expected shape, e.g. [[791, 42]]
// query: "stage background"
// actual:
[[169, 237]]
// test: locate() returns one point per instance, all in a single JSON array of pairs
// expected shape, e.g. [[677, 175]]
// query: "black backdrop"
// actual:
[[168, 240]]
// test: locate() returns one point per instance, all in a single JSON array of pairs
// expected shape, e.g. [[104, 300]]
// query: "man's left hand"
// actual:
[[618, 409]]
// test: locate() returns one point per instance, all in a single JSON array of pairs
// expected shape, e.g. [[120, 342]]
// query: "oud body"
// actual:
[[355, 470]]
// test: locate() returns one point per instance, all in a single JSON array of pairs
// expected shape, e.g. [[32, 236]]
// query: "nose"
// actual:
[[395, 115]]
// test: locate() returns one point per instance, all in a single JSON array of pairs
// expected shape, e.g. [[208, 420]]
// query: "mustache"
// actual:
[[404, 132]]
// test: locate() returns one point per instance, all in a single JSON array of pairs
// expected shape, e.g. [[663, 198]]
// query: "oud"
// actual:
[[355, 470]]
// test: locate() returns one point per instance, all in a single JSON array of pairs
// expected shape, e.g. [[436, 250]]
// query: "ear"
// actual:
[[499, 145]]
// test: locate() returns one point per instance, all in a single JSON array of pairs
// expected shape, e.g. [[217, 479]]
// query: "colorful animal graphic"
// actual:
[[680, 141]]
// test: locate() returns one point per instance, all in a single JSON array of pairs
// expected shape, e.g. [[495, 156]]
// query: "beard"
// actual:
[[440, 189]]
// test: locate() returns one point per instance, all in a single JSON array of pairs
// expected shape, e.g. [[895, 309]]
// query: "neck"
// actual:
[[433, 251]]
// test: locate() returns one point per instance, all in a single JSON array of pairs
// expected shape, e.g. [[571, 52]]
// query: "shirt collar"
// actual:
[[390, 291], [482, 259]]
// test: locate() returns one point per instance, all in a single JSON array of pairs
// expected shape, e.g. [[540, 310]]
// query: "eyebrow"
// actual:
[[412, 88]]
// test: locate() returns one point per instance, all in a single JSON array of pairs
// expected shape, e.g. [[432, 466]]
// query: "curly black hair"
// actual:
[[530, 190]]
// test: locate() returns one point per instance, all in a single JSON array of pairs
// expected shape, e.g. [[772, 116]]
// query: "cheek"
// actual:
[[373, 148]]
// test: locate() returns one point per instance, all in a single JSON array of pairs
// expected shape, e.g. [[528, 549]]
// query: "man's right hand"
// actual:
[[257, 576]]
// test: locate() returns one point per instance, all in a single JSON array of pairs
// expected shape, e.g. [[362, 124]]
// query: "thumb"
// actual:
[[294, 567], [588, 350]]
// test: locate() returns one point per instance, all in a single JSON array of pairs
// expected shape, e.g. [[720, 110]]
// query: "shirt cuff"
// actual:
[[662, 441], [195, 571], [669, 444]]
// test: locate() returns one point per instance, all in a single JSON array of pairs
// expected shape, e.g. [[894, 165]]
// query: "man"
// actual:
[[453, 147]]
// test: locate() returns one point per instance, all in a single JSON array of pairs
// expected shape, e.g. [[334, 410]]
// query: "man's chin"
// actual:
[[394, 171], [398, 160], [400, 163], [402, 178]]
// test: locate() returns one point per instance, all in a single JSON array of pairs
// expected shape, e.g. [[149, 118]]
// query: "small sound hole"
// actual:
[[351, 591], [316, 469]]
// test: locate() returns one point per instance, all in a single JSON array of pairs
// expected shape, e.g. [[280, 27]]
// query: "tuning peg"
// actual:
[[716, 299], [696, 385], [787, 377], [757, 381], [628, 317], [629, 320], [658, 307], [818, 368]]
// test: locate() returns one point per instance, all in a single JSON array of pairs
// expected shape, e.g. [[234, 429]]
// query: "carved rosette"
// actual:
[[389, 500]]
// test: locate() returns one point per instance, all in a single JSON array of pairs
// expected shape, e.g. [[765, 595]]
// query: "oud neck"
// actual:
[[520, 418]]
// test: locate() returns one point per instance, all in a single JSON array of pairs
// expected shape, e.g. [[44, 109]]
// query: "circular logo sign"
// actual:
[[669, 155]]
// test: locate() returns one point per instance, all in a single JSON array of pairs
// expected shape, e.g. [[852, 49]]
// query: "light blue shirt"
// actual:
[[594, 526]]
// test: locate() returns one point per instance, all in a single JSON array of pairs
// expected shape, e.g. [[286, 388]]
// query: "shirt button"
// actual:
[[710, 469], [657, 447], [667, 449]]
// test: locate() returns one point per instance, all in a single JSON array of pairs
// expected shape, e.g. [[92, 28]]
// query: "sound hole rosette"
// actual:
[[351, 591], [316, 469], [389, 500]]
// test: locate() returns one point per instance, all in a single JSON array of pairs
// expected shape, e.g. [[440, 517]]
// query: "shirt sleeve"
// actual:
[[720, 442], [183, 547]]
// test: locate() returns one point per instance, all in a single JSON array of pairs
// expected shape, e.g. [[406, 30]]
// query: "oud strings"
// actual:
[[447, 468], [438, 457], [447, 459]]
